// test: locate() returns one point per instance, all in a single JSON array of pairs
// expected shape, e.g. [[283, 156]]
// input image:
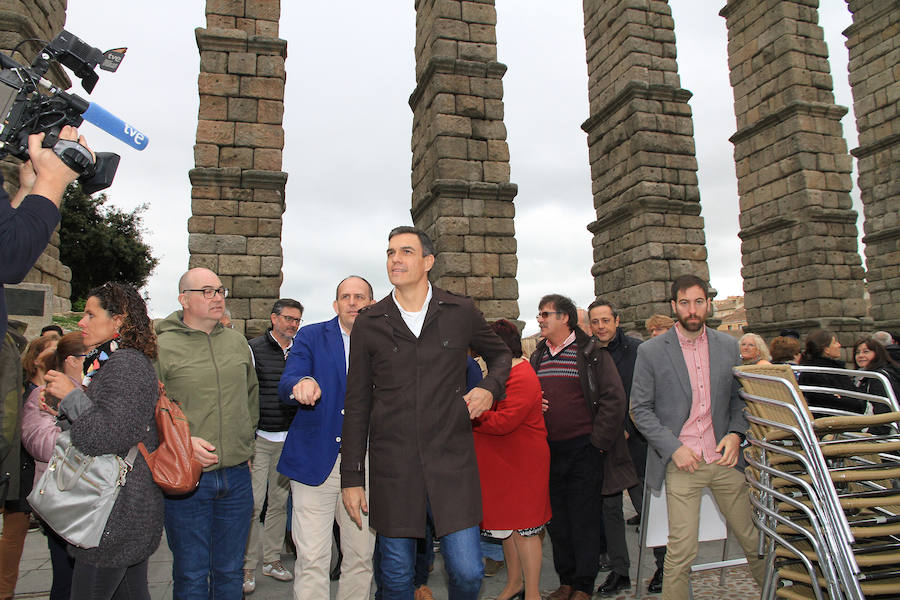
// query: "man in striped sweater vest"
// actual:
[[589, 460]]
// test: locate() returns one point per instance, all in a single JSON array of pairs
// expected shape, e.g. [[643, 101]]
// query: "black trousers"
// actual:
[[90, 582], [62, 563], [576, 478]]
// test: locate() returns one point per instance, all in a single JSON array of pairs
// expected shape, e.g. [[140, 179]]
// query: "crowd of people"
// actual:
[[377, 445]]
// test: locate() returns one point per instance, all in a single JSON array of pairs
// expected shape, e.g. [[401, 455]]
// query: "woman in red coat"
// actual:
[[514, 467]]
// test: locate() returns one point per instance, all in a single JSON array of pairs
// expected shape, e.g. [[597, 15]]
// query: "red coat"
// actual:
[[513, 457]]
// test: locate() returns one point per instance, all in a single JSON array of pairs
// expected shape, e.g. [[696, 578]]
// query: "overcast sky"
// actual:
[[350, 70]]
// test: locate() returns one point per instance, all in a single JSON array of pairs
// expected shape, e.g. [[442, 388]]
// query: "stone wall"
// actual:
[[41, 19], [462, 196], [798, 231], [237, 197], [874, 44], [643, 168]]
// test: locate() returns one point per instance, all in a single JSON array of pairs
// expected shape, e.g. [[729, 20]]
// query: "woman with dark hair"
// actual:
[[34, 361], [824, 350], [869, 355], [514, 467], [114, 413], [39, 433]]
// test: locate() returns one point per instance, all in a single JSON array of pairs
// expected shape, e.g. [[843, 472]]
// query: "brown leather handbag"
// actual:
[[174, 468]]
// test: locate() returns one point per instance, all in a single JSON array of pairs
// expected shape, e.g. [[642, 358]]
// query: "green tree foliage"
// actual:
[[102, 243]]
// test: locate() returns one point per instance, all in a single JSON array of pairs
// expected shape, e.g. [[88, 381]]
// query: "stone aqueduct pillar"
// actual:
[[237, 195], [874, 44], [798, 230], [461, 195], [640, 135], [41, 20]]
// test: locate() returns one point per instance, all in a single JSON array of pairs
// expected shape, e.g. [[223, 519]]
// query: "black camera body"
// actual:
[[30, 104]]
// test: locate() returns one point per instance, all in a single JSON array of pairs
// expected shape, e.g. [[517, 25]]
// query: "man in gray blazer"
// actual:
[[685, 402]]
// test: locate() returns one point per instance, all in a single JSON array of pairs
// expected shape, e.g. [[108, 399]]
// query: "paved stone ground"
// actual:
[[35, 574]]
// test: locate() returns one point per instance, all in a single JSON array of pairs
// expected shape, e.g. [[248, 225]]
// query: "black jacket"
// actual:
[[624, 353], [840, 382], [274, 415]]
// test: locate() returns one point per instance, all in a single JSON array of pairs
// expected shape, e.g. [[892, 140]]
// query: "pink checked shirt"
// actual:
[[697, 432]]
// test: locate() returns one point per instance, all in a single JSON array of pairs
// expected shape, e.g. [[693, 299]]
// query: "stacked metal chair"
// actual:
[[823, 488]]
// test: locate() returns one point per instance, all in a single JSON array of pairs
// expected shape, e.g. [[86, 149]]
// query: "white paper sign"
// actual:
[[712, 523]]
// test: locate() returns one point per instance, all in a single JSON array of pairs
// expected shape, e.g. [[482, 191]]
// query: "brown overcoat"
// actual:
[[405, 402], [605, 395]]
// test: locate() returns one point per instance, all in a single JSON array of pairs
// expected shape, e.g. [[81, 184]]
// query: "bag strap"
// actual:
[[129, 458]]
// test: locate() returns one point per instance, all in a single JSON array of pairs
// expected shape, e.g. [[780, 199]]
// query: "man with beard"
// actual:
[[687, 371]]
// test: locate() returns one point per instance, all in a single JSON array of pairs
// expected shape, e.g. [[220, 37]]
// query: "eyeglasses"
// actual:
[[209, 293], [291, 320], [544, 314]]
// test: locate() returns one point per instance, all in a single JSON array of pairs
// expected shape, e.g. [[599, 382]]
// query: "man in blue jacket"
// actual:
[[315, 377]]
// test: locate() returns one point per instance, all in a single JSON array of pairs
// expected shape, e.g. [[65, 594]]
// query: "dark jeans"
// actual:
[[90, 582], [424, 557], [462, 559], [207, 533], [62, 565], [576, 478]]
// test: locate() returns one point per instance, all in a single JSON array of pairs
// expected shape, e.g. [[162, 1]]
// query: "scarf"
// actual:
[[96, 358]]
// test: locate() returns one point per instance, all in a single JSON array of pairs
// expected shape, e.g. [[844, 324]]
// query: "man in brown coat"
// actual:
[[589, 460], [406, 402]]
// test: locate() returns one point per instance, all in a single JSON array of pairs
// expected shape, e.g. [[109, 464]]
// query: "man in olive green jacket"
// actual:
[[209, 370]]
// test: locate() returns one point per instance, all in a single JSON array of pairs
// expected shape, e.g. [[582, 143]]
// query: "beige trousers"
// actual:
[[264, 477], [683, 492], [315, 510]]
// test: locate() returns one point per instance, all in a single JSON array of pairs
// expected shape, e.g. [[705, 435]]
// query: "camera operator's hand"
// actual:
[[52, 174], [27, 177]]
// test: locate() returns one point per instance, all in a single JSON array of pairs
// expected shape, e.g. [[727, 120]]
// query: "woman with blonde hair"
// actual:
[[754, 350]]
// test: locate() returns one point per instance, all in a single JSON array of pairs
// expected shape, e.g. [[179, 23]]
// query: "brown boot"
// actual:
[[563, 592]]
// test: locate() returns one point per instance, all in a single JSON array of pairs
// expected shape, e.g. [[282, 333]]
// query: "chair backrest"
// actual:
[[779, 390]]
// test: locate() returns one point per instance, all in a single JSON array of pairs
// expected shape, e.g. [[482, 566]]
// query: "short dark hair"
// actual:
[[337, 290], [427, 244], [562, 304], [603, 302], [53, 327], [283, 303], [509, 333], [685, 282]]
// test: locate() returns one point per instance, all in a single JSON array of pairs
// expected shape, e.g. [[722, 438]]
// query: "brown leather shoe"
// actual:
[[423, 592], [563, 592], [579, 595]]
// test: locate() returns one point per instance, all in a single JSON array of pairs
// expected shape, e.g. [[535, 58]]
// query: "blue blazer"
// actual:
[[314, 438]]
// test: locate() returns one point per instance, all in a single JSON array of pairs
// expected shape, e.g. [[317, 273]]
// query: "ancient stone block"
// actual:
[[270, 265], [257, 287], [270, 227], [236, 157], [259, 135], [271, 111], [218, 84], [206, 155], [242, 63], [266, 246], [267, 159], [238, 265], [215, 132], [271, 88], [236, 225], [212, 108]]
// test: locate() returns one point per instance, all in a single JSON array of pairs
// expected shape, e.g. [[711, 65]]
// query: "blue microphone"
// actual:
[[115, 126]]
